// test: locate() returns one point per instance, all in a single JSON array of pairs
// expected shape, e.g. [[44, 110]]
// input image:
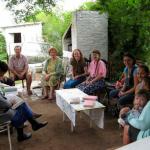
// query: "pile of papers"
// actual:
[[85, 101]]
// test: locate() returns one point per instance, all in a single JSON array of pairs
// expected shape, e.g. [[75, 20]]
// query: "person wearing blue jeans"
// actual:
[[73, 82], [125, 95], [123, 100], [79, 70], [18, 115]]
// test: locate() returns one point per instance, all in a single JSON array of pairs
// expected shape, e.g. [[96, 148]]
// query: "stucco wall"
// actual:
[[90, 31]]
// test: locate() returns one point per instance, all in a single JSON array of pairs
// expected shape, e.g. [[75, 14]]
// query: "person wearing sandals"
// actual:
[[79, 70], [96, 74], [52, 73]]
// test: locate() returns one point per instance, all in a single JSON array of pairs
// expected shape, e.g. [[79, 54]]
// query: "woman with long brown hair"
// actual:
[[125, 95], [79, 70]]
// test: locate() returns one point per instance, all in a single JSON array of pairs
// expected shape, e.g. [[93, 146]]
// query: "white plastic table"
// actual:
[[95, 113]]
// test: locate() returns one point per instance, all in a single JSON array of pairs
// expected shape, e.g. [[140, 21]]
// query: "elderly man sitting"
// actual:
[[18, 66]]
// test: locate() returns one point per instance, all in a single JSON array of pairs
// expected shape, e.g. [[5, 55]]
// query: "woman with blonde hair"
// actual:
[[52, 73], [79, 70]]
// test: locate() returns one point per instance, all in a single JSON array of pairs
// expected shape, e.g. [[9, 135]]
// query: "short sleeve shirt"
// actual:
[[97, 68], [18, 64]]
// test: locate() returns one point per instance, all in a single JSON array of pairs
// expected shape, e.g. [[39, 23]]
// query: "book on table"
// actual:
[[90, 97], [89, 100], [89, 103]]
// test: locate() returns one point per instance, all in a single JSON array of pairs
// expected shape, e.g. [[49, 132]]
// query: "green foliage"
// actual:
[[128, 29], [3, 54], [54, 26], [25, 8], [128, 25], [90, 6]]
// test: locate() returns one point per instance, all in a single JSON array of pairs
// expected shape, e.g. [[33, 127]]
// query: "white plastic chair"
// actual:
[[6, 127]]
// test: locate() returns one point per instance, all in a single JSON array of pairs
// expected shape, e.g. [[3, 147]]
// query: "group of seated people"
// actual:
[[134, 87], [87, 79]]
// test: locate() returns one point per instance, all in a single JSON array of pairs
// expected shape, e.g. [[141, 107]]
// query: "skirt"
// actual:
[[91, 88]]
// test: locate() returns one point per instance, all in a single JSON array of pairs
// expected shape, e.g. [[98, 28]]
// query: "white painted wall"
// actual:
[[31, 38]]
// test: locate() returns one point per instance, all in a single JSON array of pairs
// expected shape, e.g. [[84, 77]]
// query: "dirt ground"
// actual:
[[57, 135]]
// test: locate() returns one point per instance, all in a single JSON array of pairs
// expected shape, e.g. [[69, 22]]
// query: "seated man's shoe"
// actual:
[[35, 115], [24, 137], [37, 126]]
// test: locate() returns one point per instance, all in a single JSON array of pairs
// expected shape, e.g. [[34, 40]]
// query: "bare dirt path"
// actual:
[[57, 136]]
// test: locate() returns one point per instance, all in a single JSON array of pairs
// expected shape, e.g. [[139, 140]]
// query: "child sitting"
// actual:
[[126, 113], [130, 133]]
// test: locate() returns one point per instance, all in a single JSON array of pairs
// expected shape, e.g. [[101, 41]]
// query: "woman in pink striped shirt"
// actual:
[[97, 73]]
